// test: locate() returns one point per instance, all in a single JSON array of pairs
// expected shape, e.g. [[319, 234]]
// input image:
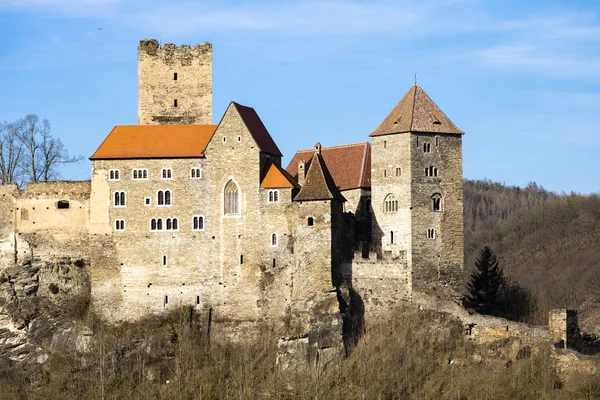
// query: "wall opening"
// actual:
[[62, 204], [175, 76], [241, 259], [274, 263], [166, 300], [310, 221], [197, 300], [164, 260]]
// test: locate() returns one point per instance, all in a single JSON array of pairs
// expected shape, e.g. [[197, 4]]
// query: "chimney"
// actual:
[[301, 172]]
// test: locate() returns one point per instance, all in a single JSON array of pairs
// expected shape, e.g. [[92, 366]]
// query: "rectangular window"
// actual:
[[164, 260], [175, 103], [175, 76], [241, 259], [147, 201]]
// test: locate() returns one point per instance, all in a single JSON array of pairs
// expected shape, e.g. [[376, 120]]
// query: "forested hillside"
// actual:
[[548, 243]]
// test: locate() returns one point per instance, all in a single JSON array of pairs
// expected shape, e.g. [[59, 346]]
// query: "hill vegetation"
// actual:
[[547, 243]]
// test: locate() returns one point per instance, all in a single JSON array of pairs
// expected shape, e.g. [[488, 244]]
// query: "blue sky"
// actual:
[[522, 80]]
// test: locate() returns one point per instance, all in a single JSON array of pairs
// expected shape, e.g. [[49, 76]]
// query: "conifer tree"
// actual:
[[486, 285]]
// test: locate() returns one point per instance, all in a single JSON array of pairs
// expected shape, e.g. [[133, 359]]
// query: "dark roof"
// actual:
[[257, 129], [349, 164], [416, 112], [318, 184], [154, 141]]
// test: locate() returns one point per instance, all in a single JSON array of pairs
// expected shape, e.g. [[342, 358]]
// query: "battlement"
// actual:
[[171, 53]]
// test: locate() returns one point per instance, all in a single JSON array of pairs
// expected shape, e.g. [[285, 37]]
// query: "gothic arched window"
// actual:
[[231, 198], [436, 202]]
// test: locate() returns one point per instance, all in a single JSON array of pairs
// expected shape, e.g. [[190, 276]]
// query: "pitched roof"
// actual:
[[416, 112], [275, 177], [257, 129], [155, 141], [318, 184], [349, 164]]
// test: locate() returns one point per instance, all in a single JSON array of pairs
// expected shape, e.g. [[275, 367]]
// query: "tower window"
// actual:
[[436, 202], [175, 103], [385, 144], [427, 147], [390, 204], [391, 237], [398, 171], [431, 171], [274, 240], [239, 138], [164, 260], [310, 221], [430, 233], [241, 259], [175, 76], [385, 173], [437, 141], [274, 263]]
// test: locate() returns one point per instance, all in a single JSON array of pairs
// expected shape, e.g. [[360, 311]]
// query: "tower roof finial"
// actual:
[[415, 79]]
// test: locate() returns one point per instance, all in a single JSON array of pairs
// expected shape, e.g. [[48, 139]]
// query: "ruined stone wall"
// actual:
[[164, 99], [439, 258], [8, 195], [391, 228], [231, 266], [381, 283], [563, 328]]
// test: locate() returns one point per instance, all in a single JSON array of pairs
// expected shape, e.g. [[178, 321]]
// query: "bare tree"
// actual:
[[42, 153], [11, 149]]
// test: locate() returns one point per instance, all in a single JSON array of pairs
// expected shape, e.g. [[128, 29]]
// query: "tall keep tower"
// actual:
[[417, 189], [174, 83]]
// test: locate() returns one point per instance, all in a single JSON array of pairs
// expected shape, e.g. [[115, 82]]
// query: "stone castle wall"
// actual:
[[159, 88]]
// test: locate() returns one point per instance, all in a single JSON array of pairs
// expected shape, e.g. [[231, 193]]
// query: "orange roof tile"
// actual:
[[276, 177], [155, 141], [349, 164]]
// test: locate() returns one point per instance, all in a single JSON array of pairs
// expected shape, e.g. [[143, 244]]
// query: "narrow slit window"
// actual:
[[174, 76], [274, 239], [166, 300], [274, 263], [175, 103], [241, 259], [164, 260], [391, 237]]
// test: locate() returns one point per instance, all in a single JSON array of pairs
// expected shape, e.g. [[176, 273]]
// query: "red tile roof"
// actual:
[[318, 184], [257, 129], [349, 164], [275, 177], [155, 141], [416, 112]]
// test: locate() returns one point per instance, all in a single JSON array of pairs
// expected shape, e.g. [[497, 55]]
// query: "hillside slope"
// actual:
[[548, 243]]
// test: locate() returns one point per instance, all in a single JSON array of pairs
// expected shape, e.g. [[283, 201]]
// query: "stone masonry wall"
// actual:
[[230, 266], [158, 89], [441, 258]]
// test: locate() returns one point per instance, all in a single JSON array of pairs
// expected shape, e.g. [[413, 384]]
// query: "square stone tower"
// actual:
[[417, 190], [174, 83]]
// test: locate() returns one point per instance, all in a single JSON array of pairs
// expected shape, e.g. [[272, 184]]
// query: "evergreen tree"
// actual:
[[486, 285]]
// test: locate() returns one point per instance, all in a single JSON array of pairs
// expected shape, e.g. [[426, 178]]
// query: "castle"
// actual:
[[183, 212]]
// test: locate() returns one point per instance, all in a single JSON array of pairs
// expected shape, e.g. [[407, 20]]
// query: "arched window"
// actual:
[[169, 226], [274, 239], [119, 225], [273, 196], [120, 199], [390, 204], [175, 224], [198, 223], [159, 224], [166, 173], [160, 198], [196, 173], [135, 175], [436, 202], [430, 233], [153, 224], [113, 175], [167, 197], [231, 198]]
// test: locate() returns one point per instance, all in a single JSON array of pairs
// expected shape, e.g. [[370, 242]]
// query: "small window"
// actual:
[[241, 259], [167, 173], [239, 138], [436, 202], [391, 237], [153, 224], [197, 300], [174, 76], [427, 147], [196, 173], [431, 171], [147, 201], [140, 173], [430, 233], [385, 173], [159, 224], [198, 223], [163, 198], [114, 175], [273, 196], [385, 144], [175, 224], [119, 225], [274, 239], [62, 204], [168, 224], [274, 263], [224, 139], [310, 221], [166, 300], [437, 141], [120, 199], [175, 103], [398, 171]]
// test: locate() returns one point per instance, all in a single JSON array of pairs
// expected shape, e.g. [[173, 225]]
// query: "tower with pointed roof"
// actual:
[[417, 189]]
